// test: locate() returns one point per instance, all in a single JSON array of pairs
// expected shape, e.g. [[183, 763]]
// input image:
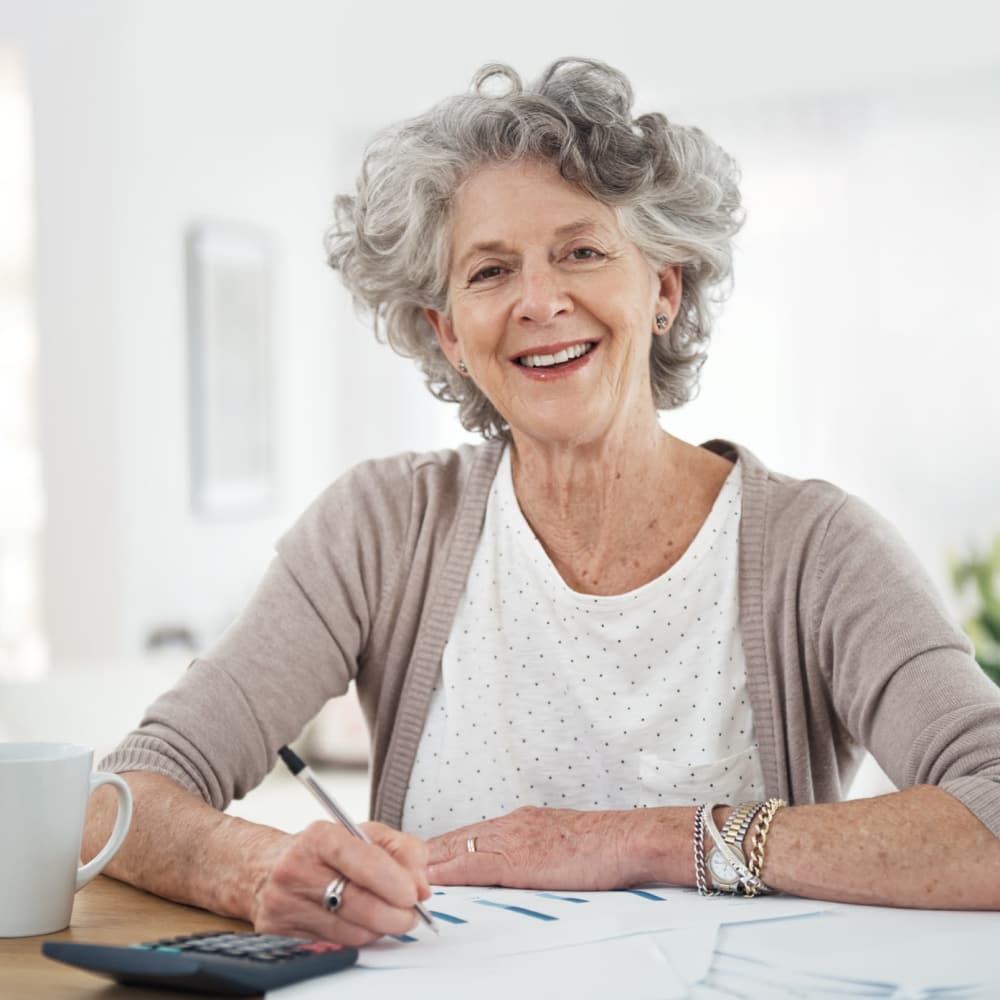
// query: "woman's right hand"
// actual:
[[386, 879]]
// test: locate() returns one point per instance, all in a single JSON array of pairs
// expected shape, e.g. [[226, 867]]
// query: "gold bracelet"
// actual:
[[771, 806]]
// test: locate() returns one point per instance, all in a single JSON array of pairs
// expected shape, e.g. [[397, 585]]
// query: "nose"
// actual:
[[543, 296]]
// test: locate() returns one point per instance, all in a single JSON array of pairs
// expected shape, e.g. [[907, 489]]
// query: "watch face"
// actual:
[[723, 873]]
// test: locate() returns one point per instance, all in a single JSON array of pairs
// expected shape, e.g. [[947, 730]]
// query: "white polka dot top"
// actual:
[[549, 697]]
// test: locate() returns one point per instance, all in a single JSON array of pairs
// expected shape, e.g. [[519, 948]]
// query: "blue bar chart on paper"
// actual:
[[480, 923]]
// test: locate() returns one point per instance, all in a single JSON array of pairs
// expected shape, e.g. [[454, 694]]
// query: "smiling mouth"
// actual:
[[562, 357]]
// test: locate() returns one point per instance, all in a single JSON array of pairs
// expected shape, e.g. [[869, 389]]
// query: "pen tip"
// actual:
[[291, 759]]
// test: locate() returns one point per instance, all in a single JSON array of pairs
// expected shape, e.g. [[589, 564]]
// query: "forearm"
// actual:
[[916, 848], [182, 848]]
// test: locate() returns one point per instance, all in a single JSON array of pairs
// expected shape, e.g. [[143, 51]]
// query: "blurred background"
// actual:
[[861, 343]]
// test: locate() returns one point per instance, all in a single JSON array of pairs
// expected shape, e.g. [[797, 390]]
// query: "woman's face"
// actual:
[[551, 307]]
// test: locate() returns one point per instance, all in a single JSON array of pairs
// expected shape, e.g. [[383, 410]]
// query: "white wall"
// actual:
[[149, 117], [866, 357], [69, 90], [860, 344]]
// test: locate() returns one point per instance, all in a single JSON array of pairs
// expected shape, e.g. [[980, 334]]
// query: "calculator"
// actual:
[[225, 964]]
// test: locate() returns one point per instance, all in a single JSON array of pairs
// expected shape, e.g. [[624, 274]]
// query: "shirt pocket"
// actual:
[[733, 779]]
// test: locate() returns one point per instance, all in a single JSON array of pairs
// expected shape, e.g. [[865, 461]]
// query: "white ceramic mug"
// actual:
[[44, 789]]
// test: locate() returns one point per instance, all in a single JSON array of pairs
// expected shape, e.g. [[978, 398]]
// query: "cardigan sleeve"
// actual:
[[297, 644], [902, 675]]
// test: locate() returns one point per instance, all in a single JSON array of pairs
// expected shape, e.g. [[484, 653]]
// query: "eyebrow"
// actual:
[[499, 246], [572, 228]]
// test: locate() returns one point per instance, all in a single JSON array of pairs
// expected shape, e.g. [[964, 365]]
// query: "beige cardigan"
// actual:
[[847, 645]]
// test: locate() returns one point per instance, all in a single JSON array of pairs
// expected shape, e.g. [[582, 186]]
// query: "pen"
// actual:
[[302, 772]]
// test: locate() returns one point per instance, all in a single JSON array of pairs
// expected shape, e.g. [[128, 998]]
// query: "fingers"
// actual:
[[452, 863], [360, 912], [367, 865], [411, 853], [384, 881], [471, 869], [532, 847], [294, 914], [440, 849], [488, 837]]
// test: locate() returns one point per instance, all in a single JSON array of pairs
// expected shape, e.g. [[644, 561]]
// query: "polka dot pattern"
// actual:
[[550, 697]]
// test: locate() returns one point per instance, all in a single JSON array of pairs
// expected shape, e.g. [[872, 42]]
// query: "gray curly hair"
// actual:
[[675, 193]]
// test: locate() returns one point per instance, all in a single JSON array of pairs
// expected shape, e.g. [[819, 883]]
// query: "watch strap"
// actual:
[[728, 851], [734, 830]]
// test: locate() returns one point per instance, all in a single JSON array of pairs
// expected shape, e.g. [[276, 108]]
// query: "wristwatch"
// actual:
[[724, 876]]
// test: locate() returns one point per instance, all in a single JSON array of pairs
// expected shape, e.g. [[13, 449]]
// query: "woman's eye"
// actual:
[[486, 273], [584, 253]]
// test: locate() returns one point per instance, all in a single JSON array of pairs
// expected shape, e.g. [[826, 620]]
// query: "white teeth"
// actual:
[[546, 360]]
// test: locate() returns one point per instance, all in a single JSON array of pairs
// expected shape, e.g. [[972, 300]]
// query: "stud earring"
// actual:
[[462, 368], [661, 322]]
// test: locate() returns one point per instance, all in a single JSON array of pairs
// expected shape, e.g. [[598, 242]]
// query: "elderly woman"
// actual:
[[591, 655]]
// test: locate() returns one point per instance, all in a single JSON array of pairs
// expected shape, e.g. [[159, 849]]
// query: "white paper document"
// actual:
[[861, 951], [479, 923], [653, 942], [688, 950], [631, 966]]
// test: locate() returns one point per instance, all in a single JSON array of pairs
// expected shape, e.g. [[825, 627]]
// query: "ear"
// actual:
[[445, 335], [669, 299]]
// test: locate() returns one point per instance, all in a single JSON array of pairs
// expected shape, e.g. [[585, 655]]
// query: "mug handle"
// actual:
[[95, 866]]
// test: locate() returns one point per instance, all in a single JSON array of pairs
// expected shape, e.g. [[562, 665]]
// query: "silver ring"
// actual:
[[333, 894], [470, 845]]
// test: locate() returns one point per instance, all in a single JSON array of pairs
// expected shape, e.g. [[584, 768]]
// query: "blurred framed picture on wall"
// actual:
[[230, 276]]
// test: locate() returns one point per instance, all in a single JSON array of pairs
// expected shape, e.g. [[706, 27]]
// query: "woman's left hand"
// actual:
[[537, 848]]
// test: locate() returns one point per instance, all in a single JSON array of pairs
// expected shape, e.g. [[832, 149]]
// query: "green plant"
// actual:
[[983, 626]]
